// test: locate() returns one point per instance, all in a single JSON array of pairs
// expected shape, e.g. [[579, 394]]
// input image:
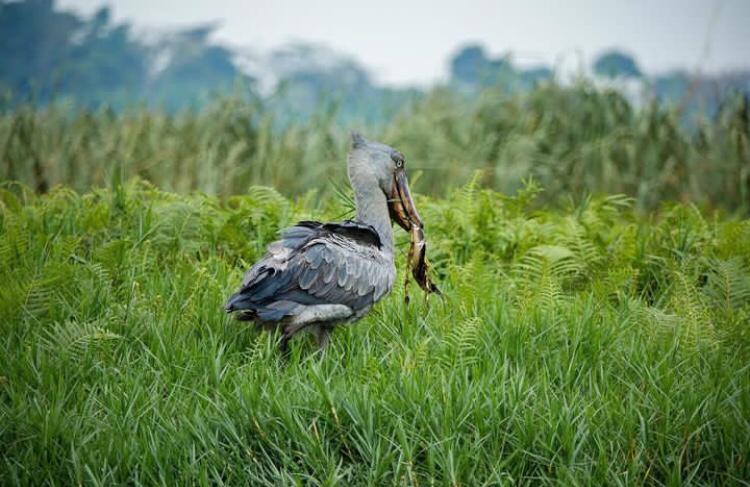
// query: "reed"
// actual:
[[573, 141]]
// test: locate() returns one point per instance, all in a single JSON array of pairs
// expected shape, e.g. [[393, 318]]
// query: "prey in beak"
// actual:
[[403, 211]]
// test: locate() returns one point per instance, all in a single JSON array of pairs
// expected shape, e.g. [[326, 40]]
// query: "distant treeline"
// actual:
[[50, 55]]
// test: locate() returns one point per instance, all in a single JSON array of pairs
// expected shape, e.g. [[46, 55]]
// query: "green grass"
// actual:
[[590, 344]]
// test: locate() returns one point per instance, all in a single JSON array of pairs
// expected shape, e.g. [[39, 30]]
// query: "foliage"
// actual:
[[49, 53], [573, 141], [613, 64], [472, 68], [590, 344]]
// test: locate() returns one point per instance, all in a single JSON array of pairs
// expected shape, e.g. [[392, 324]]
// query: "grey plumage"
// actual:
[[316, 264], [319, 275]]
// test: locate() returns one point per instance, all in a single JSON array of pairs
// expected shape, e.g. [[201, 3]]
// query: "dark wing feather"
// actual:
[[316, 263], [356, 231]]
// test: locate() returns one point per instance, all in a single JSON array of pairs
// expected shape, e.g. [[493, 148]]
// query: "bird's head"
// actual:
[[383, 165]]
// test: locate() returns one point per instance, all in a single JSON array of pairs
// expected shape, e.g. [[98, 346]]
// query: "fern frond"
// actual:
[[549, 293], [558, 260], [5, 253], [72, 338], [266, 195], [696, 327], [585, 253], [728, 284], [461, 343]]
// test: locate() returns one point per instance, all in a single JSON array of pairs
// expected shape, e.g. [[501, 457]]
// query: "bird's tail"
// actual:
[[249, 309], [238, 301]]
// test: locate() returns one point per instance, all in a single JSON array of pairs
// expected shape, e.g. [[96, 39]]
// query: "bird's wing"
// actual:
[[316, 263]]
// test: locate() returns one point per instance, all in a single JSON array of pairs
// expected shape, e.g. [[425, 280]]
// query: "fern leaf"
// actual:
[[728, 284], [73, 338], [696, 327]]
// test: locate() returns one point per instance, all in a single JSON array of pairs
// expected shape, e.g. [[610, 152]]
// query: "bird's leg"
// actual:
[[284, 343], [322, 336], [313, 316], [287, 333]]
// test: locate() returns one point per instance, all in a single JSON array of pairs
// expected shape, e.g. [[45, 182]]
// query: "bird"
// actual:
[[318, 275]]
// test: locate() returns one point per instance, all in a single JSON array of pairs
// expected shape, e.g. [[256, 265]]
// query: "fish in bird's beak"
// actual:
[[401, 205]]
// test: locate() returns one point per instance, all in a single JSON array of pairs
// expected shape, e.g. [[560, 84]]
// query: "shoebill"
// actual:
[[320, 275]]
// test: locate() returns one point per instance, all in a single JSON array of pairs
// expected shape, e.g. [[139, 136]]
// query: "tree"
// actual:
[[46, 52], [614, 64], [469, 64]]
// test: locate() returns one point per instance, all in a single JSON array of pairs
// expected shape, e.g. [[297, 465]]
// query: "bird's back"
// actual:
[[313, 265]]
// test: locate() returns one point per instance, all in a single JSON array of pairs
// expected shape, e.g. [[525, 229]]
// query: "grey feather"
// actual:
[[328, 274], [314, 265], [341, 274]]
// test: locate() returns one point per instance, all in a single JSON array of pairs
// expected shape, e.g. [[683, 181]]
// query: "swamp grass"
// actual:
[[585, 344]]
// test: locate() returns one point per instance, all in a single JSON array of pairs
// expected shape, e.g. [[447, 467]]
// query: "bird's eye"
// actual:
[[398, 159]]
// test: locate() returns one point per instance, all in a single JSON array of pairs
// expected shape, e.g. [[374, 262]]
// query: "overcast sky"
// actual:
[[408, 41]]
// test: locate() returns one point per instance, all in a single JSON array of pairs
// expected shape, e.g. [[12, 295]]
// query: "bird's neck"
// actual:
[[372, 209]]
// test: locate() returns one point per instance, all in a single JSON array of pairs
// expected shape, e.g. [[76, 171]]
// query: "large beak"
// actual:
[[401, 205]]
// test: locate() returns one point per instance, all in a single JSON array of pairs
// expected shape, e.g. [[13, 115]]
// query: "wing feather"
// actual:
[[316, 263]]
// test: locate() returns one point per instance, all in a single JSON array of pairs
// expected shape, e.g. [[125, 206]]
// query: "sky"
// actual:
[[409, 41]]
